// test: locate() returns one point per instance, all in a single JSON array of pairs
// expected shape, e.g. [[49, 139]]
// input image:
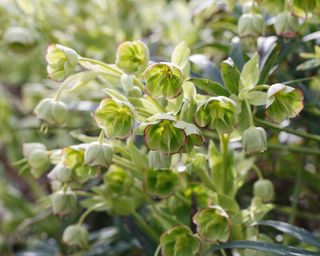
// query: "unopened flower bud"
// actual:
[[132, 57], [51, 111], [38, 159], [98, 154], [76, 235], [64, 202], [263, 189], [250, 24], [19, 39], [29, 147], [60, 173], [254, 139], [286, 24], [61, 61]]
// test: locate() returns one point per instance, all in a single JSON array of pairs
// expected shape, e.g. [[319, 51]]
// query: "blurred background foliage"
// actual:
[[94, 29]]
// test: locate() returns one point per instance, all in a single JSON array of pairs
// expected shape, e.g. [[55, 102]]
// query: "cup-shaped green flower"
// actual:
[[132, 57], [286, 24], [19, 39], [98, 154], [76, 235], [51, 111], [117, 181], [61, 61], [115, 118], [64, 202], [163, 80], [283, 102], [218, 113], [264, 189], [254, 139], [162, 134], [213, 224], [179, 241], [161, 182], [250, 24]]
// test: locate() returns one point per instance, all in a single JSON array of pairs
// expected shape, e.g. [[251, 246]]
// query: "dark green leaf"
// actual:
[[230, 75], [276, 249], [268, 62], [298, 233]]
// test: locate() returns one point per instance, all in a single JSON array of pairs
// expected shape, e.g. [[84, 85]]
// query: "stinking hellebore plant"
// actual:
[[164, 146]]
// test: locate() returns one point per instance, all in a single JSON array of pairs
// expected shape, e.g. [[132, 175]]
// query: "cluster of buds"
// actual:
[[61, 61], [51, 111]]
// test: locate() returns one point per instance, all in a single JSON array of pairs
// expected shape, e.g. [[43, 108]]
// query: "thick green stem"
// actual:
[[224, 140], [251, 122], [145, 227], [97, 62], [101, 137], [288, 130], [205, 178]]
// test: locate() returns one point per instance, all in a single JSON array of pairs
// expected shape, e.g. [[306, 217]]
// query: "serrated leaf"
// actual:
[[298, 233], [276, 249], [180, 55], [230, 75], [249, 75], [210, 87]]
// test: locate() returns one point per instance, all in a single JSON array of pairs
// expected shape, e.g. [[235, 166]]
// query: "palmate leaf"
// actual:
[[276, 249], [298, 233]]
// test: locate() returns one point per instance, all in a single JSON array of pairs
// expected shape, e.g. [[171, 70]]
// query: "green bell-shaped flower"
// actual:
[[286, 24], [163, 80], [117, 181], [162, 134], [254, 139], [283, 102], [193, 135], [213, 224], [64, 202], [61, 61], [51, 111], [115, 117], [161, 182], [98, 154], [19, 39], [76, 235], [263, 189], [218, 113], [250, 24], [179, 241], [132, 57]]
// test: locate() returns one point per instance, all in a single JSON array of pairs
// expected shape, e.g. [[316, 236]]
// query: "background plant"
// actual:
[[190, 125]]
